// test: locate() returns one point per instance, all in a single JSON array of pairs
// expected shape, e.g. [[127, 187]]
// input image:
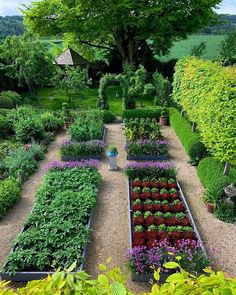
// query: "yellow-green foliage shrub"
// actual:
[[207, 92]]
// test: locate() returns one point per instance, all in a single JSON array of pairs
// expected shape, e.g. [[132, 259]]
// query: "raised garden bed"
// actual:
[[25, 276], [160, 222], [56, 232], [77, 151]]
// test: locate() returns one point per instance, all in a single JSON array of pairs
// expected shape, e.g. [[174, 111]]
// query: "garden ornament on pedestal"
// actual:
[[112, 153], [230, 192]]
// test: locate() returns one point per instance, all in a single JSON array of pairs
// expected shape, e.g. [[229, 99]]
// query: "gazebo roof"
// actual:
[[70, 58]]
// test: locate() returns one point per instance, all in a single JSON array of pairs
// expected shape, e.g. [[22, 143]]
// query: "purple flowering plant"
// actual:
[[74, 164], [147, 147], [142, 260], [149, 169]]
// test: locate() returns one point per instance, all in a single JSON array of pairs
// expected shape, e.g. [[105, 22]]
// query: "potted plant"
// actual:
[[138, 218], [162, 234], [177, 206], [145, 182], [148, 206], [151, 232], [138, 236], [155, 193], [149, 218], [174, 194], [163, 120], [172, 183], [112, 153], [157, 205], [136, 182], [159, 218], [136, 192], [154, 182], [165, 206], [146, 193], [137, 205], [163, 182], [164, 195]]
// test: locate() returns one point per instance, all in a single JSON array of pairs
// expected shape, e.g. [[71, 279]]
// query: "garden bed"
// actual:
[[160, 222], [45, 243], [25, 276]]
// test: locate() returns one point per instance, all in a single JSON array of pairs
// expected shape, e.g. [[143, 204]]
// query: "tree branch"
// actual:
[[96, 45]]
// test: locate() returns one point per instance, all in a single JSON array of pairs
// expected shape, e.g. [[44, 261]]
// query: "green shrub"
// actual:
[[6, 147], [210, 172], [9, 194], [21, 113], [50, 122], [183, 129], [143, 113], [225, 212], [12, 96], [29, 129], [4, 112], [197, 152], [6, 102], [108, 117], [5, 127], [22, 163], [79, 149]]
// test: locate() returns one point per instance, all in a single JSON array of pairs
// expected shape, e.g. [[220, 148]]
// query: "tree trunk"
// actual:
[[226, 168], [182, 113], [126, 46], [193, 126]]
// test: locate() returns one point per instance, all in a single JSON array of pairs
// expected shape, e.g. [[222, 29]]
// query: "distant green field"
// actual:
[[183, 48], [52, 99]]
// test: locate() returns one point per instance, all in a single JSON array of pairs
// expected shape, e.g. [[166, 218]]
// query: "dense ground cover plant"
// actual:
[[67, 194], [12, 98], [141, 128], [79, 149], [87, 126], [146, 147], [202, 100], [9, 194], [5, 127]]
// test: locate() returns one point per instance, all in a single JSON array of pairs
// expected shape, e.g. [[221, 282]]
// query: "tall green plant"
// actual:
[[206, 91]]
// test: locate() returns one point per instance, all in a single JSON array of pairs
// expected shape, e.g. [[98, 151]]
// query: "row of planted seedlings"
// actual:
[[57, 230], [144, 140], [86, 138], [161, 225]]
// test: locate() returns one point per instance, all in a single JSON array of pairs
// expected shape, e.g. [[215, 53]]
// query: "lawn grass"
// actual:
[[183, 48], [52, 99]]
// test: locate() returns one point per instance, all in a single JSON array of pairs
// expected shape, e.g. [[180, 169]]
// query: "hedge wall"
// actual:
[[143, 113], [207, 91], [183, 129]]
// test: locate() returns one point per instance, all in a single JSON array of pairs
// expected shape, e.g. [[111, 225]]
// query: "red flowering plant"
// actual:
[[137, 205], [173, 193], [138, 218], [138, 236], [182, 219], [148, 205], [154, 182], [157, 205], [164, 195], [159, 218], [172, 183], [149, 218], [177, 206], [146, 193], [155, 193], [136, 193]]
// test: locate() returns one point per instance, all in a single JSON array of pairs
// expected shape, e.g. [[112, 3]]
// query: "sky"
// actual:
[[10, 7]]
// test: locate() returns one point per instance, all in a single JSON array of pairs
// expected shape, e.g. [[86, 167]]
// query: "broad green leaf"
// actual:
[[118, 289], [102, 279], [171, 265]]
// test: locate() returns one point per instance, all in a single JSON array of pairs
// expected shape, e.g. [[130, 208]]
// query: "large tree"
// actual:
[[27, 60], [127, 27]]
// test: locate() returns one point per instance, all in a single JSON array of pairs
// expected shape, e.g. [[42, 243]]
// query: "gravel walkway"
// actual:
[[110, 236], [215, 233], [11, 224]]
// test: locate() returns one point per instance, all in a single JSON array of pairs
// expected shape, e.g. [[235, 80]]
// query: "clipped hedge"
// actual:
[[9, 194], [183, 129], [206, 91], [210, 173], [143, 113]]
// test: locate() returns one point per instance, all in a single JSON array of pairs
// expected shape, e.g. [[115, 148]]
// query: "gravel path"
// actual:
[[11, 224], [110, 236], [215, 233]]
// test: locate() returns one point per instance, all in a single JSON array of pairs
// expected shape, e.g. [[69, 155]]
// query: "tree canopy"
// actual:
[[123, 26], [27, 60]]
